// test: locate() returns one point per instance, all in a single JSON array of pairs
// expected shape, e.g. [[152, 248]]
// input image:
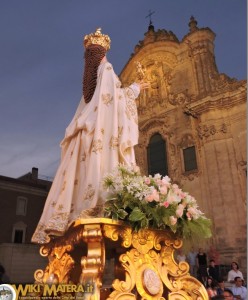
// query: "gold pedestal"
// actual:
[[144, 265]]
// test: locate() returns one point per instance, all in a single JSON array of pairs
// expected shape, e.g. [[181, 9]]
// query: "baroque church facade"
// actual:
[[192, 123]]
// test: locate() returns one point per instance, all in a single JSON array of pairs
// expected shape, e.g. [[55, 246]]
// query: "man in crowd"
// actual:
[[239, 291], [228, 294], [191, 258], [213, 270]]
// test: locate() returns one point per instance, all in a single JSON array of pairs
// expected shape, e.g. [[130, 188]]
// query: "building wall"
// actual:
[[20, 260], [35, 193], [190, 103]]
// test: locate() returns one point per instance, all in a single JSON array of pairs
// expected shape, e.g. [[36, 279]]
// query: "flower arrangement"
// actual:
[[153, 202]]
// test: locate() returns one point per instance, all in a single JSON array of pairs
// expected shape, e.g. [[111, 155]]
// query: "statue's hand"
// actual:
[[144, 85]]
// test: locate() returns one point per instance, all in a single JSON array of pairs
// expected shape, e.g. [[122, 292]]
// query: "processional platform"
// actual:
[[118, 263]]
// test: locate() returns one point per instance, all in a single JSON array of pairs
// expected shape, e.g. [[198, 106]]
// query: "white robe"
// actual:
[[101, 135]]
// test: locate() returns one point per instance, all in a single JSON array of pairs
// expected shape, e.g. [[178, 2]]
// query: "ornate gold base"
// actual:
[[144, 265]]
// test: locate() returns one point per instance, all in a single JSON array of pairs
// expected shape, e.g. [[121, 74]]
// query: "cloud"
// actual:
[[18, 157]]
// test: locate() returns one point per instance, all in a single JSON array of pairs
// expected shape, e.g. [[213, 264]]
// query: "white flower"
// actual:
[[157, 176], [179, 211], [173, 220], [194, 212], [166, 180]]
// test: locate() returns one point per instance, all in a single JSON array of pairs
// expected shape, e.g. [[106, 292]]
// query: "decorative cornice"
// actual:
[[187, 141], [190, 175], [180, 98], [220, 101], [205, 131], [153, 123]]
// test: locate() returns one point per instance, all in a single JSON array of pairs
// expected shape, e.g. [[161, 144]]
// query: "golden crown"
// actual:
[[97, 38]]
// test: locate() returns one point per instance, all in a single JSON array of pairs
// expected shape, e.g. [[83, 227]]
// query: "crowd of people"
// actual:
[[206, 268]]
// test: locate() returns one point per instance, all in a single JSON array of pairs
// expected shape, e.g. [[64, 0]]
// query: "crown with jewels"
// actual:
[[97, 38]]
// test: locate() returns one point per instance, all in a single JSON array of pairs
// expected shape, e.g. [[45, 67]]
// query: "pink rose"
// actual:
[[154, 196], [149, 198], [171, 198], [188, 216], [192, 210], [147, 180], [163, 190], [179, 211], [166, 204], [181, 194], [175, 187]]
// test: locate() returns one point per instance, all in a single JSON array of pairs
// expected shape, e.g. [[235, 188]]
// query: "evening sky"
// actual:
[[41, 61]]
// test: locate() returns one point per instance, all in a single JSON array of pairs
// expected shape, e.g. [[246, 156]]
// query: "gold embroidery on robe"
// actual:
[[114, 142], [83, 157], [128, 147], [127, 150], [120, 130], [107, 99], [97, 146], [118, 84], [92, 212], [128, 114], [89, 193], [129, 93], [58, 222], [131, 107], [39, 234], [63, 187], [53, 204], [60, 207]]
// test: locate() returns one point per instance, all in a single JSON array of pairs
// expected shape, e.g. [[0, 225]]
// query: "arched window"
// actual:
[[156, 156]]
